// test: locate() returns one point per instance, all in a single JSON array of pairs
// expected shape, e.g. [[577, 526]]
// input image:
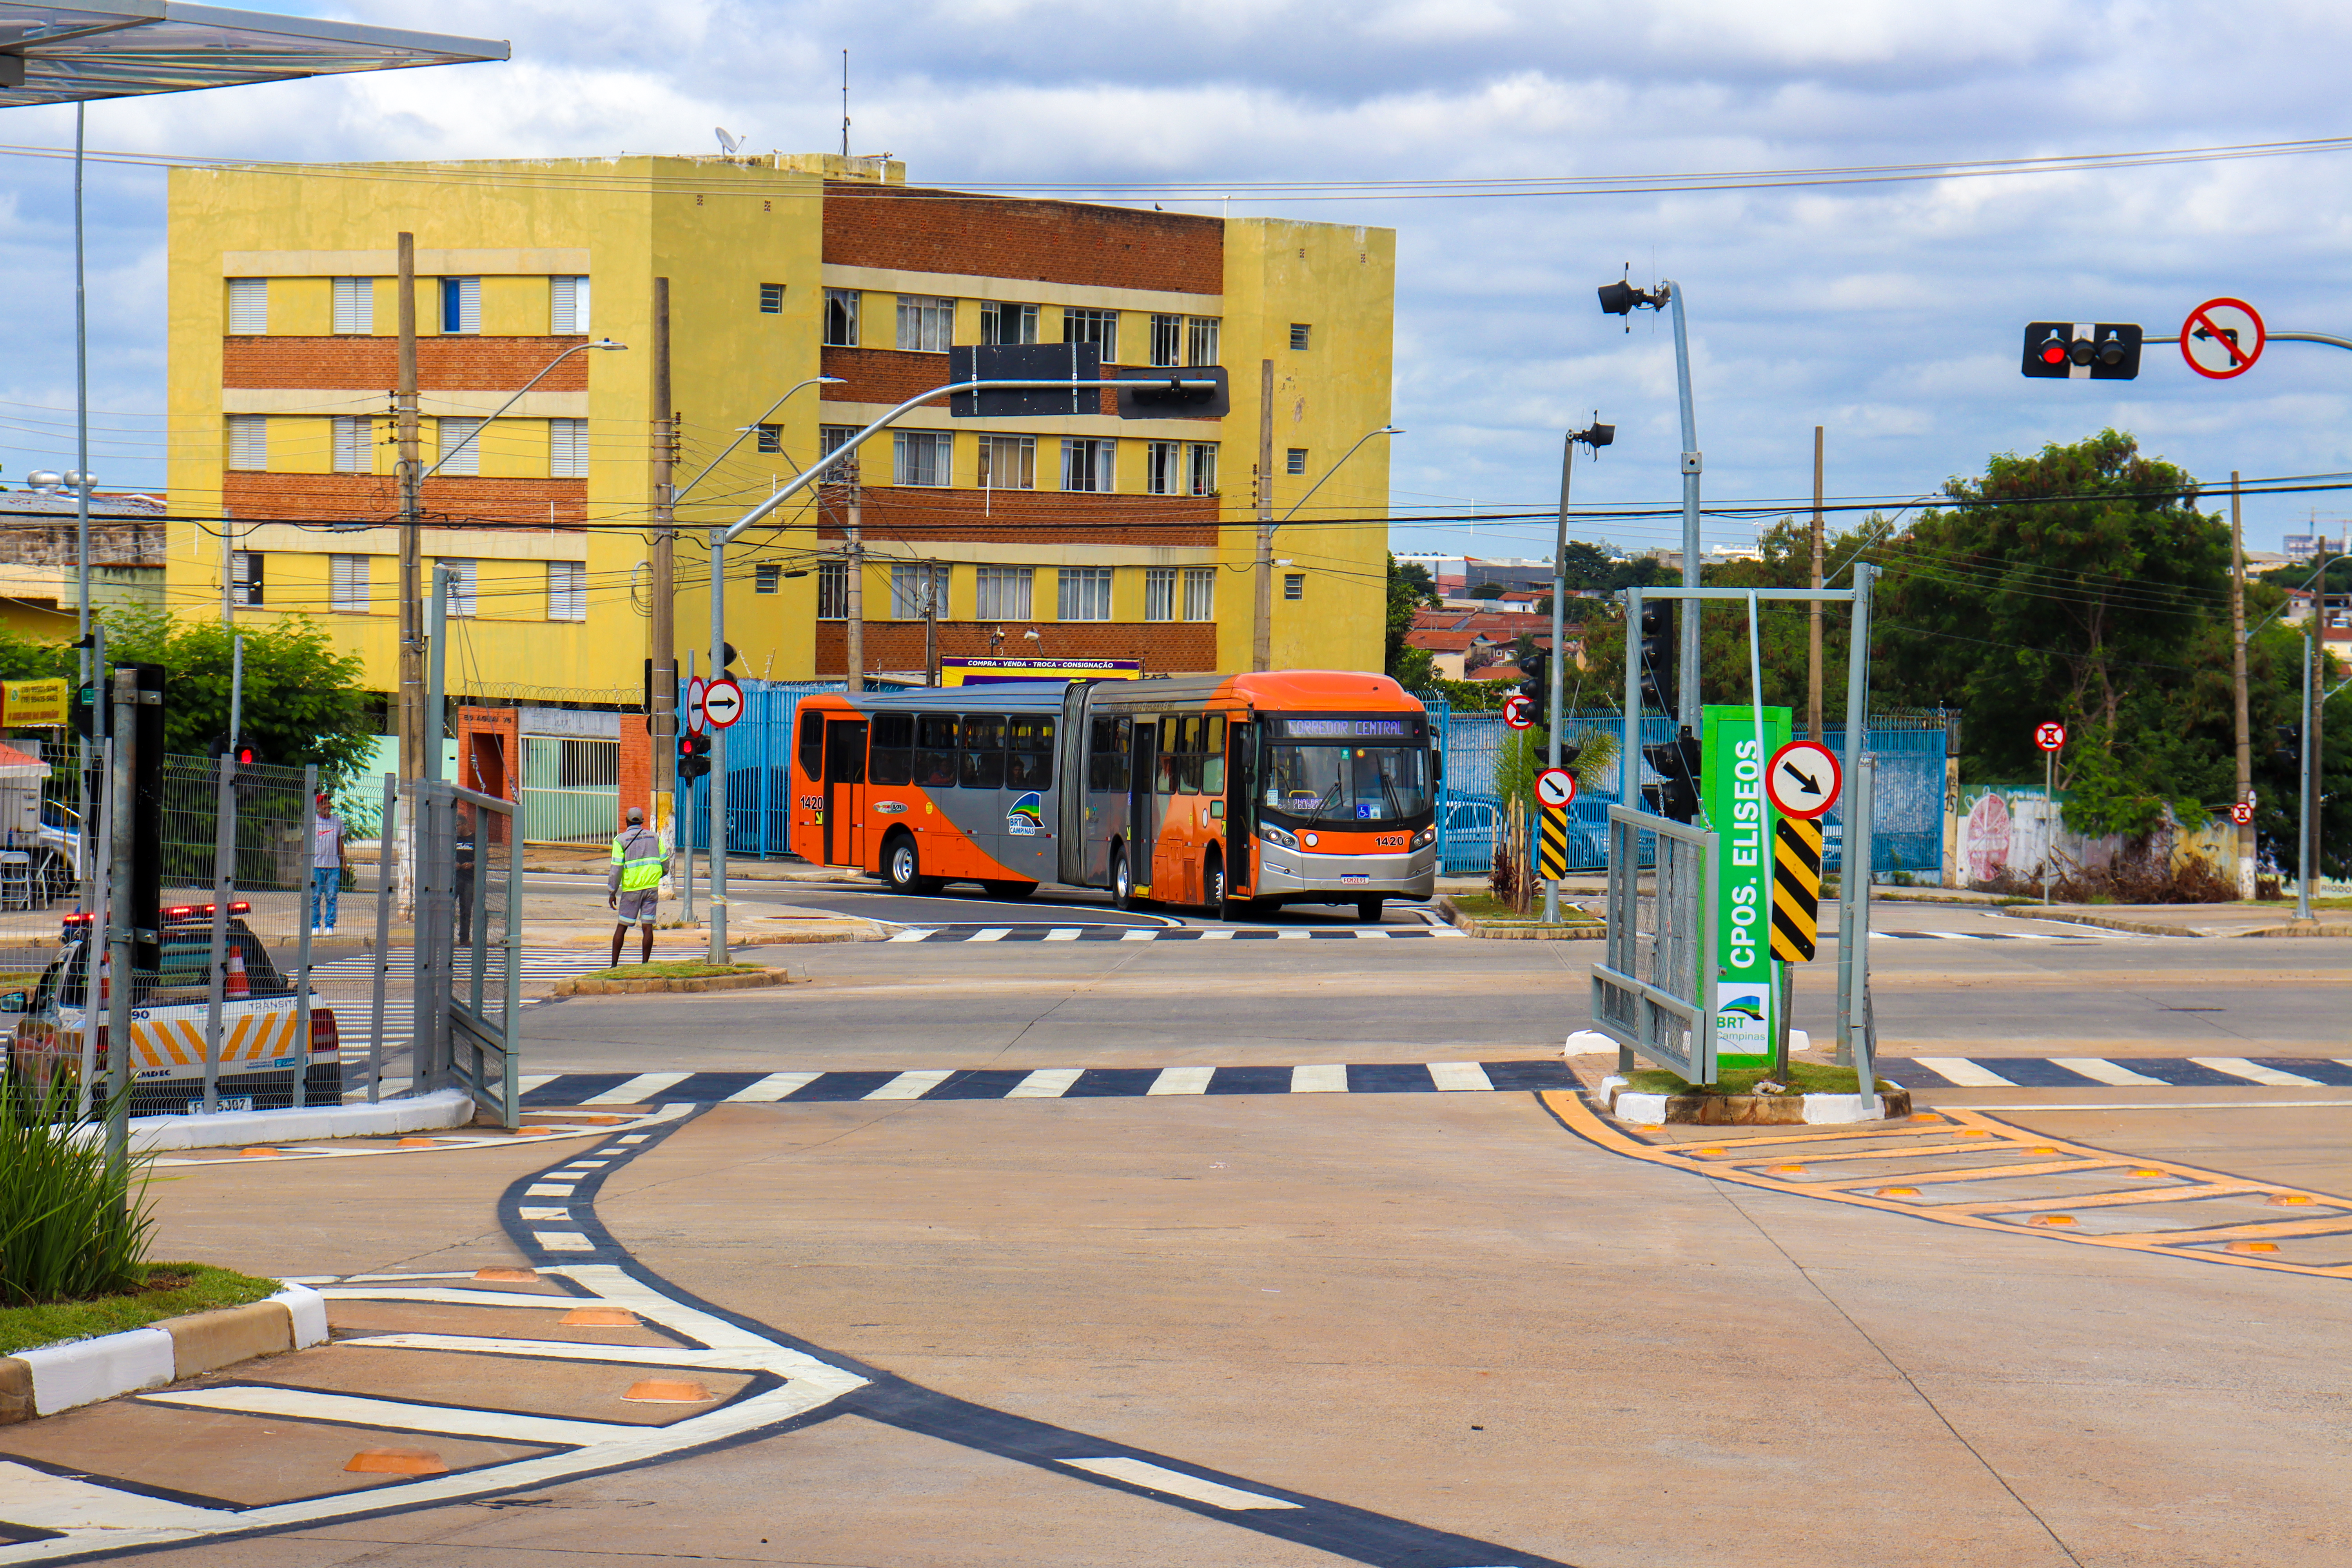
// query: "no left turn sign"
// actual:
[[1803, 779], [2242, 813], [1555, 787], [2223, 338], [2049, 737]]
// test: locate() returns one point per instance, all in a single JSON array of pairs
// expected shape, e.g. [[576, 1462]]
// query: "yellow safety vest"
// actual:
[[638, 855]]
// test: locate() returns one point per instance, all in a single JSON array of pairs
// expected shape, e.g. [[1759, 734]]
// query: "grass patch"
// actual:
[[677, 969], [1487, 907], [1804, 1077], [165, 1290]]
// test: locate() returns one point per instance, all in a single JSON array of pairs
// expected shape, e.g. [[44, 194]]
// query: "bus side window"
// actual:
[[893, 759], [1163, 764], [1213, 765], [811, 744], [1188, 761], [1030, 762], [981, 752], [934, 758], [1103, 750]]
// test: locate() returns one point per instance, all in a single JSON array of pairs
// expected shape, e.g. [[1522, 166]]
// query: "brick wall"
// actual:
[[1164, 646], [374, 498], [488, 757], [1025, 517], [636, 775], [466, 363], [1048, 242]]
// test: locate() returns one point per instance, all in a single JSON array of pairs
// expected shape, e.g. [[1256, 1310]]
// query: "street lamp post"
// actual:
[[1262, 632], [1594, 438], [1621, 299]]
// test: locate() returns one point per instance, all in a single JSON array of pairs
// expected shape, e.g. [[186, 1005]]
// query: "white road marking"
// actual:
[[563, 1350], [1964, 1072], [1182, 1080], [911, 934], [1139, 934], [1375, 931], [994, 934], [912, 1085], [2105, 1071], [2239, 1066], [635, 1091], [1459, 1075], [1329, 1077], [301, 1403], [1045, 1083], [531, 1081], [44, 1502], [1220, 933], [562, 1241], [1292, 934], [545, 1214], [773, 1087], [548, 1190], [1064, 933], [1161, 1479]]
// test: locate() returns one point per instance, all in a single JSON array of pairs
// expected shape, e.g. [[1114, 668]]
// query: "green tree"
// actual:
[[1410, 588], [304, 703]]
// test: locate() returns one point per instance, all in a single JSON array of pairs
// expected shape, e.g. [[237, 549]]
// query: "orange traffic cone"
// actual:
[[236, 984]]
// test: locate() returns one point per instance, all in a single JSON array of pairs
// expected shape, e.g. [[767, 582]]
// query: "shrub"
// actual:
[[69, 1226]]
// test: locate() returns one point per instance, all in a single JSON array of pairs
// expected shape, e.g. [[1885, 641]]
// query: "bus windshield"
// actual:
[[1341, 785]]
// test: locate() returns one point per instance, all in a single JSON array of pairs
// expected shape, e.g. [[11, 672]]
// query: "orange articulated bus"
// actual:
[[1235, 792]]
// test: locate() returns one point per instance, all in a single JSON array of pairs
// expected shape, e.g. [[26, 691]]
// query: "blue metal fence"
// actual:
[[758, 772]]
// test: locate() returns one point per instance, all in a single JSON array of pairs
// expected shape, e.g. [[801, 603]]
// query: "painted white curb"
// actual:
[[308, 1310], [1820, 1109], [83, 1372], [416, 1113]]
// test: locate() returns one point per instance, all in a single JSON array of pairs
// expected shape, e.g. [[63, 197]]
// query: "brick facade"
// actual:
[[375, 498], [1024, 517], [911, 231], [636, 775], [466, 363], [1166, 647]]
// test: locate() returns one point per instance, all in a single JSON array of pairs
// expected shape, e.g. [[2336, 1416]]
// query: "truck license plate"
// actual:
[[226, 1102]]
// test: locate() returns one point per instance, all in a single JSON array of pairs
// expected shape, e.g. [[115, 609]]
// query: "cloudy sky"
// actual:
[[1890, 313]]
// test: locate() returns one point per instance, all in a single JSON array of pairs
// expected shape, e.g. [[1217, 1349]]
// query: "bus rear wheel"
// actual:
[[1368, 911], [1122, 884]]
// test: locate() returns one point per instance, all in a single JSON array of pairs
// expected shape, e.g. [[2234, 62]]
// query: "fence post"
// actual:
[[224, 866], [302, 942], [383, 850]]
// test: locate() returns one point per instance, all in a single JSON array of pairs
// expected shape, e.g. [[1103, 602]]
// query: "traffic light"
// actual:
[[1153, 394], [2288, 754], [693, 757], [1661, 653], [727, 655], [1536, 687], [2081, 351], [1676, 764]]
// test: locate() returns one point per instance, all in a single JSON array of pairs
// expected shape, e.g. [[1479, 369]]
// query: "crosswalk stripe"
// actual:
[[1182, 1080], [1964, 1072], [529, 1081], [639, 1089], [913, 1085], [1045, 1083], [994, 934], [1139, 934], [1459, 1075], [2106, 1071], [1328, 1077], [2239, 1066], [774, 1087], [1066, 933]]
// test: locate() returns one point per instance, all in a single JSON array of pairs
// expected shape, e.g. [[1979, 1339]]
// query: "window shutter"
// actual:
[[568, 306], [248, 442], [567, 591], [567, 448], [249, 304], [355, 305], [348, 582], [461, 451], [461, 586], [352, 444]]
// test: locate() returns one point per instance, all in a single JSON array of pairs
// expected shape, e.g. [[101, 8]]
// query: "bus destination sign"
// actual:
[[1348, 729]]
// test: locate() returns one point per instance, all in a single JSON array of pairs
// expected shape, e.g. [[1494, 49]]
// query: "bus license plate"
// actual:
[[225, 1102], [1351, 879]]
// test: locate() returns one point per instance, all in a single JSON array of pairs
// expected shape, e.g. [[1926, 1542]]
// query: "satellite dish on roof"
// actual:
[[727, 143]]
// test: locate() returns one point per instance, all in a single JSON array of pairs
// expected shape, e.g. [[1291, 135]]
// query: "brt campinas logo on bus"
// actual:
[[1026, 817]]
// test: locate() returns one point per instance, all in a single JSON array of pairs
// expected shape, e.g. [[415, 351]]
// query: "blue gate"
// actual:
[[758, 772]]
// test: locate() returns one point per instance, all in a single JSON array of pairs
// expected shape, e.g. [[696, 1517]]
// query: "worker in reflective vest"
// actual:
[[633, 887]]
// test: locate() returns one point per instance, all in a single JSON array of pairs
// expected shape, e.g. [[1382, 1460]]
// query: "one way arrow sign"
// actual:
[[1803, 779]]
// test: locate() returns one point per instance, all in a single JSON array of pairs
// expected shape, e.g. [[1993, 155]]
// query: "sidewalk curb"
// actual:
[[585, 985], [1515, 931], [2104, 922], [415, 1113], [52, 1378]]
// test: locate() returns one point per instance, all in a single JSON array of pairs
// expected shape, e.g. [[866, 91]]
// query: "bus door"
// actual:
[[844, 792], [1241, 791], [1143, 819]]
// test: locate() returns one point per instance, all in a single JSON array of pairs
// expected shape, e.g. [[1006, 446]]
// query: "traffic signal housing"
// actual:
[[1145, 393], [1536, 687], [2288, 754], [2081, 351], [1676, 798], [1661, 654], [693, 757]]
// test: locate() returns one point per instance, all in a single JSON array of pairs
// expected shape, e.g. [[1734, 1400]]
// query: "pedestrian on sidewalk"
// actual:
[[326, 865], [633, 887]]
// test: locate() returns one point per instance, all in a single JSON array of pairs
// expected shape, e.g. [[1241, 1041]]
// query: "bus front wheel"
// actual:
[[902, 868], [1368, 911]]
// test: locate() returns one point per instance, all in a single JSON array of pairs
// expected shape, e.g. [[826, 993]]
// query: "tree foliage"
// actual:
[[1410, 588], [303, 702]]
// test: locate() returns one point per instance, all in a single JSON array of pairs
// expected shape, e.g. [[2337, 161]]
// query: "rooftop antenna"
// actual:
[[727, 143], [845, 103]]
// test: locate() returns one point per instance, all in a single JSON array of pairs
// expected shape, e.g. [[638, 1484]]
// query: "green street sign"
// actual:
[[1731, 793]]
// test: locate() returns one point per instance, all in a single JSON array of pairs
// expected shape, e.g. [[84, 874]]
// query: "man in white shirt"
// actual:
[[326, 866]]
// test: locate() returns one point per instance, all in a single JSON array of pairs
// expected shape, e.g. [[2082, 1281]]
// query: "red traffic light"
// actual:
[[2054, 353], [247, 756]]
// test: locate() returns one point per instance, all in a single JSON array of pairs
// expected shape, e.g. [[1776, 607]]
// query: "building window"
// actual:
[[1008, 462], [567, 306], [354, 443], [832, 590], [1200, 592], [1299, 331], [1167, 339], [1202, 349], [567, 448], [461, 304], [1297, 461], [920, 456], [249, 304], [1100, 328], [1085, 594], [925, 324], [767, 577], [772, 299], [771, 439], [1086, 465], [1162, 469], [462, 578], [245, 579], [831, 439], [248, 442], [567, 591], [1159, 594], [461, 446], [1003, 323], [347, 583], [354, 304], [1201, 468], [1294, 584], [841, 318], [917, 589], [1003, 594]]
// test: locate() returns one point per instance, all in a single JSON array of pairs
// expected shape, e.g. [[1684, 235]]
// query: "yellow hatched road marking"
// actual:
[[1886, 1143]]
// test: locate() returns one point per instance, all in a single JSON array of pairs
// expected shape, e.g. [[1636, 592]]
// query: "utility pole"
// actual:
[[2303, 868], [1814, 666], [718, 733], [1553, 673], [1262, 631], [1688, 699], [854, 628], [931, 623], [409, 465], [661, 701], [2238, 675]]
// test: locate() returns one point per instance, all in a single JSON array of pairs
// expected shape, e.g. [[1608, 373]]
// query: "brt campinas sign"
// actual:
[[1731, 769]]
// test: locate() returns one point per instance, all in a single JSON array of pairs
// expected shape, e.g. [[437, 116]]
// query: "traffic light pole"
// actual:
[[718, 733], [2303, 868], [1559, 632], [1686, 699]]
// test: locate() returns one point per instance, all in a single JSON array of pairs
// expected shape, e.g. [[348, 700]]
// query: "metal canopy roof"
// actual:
[[65, 52]]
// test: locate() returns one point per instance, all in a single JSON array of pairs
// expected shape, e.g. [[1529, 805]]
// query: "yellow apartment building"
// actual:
[[1083, 536]]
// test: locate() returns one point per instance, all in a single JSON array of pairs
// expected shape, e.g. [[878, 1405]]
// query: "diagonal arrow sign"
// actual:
[[1812, 785]]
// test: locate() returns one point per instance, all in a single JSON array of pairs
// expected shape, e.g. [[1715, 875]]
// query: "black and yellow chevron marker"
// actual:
[[1551, 843], [1796, 889]]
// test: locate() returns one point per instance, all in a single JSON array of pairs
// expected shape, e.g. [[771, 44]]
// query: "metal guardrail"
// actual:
[[1653, 990], [468, 981]]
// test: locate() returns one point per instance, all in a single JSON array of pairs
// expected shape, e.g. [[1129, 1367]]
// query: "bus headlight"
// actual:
[[1425, 838], [1281, 838]]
